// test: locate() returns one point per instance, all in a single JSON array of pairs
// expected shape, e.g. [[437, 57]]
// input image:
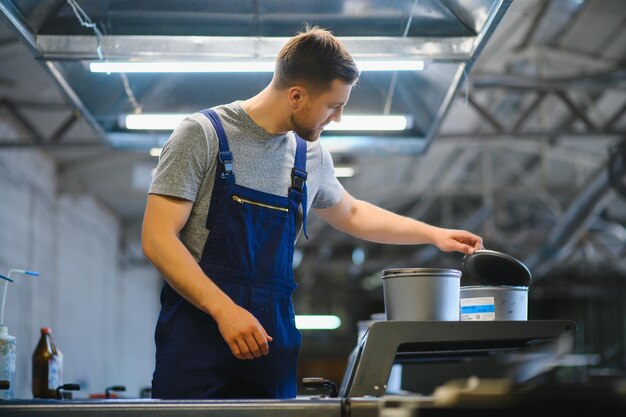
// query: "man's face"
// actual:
[[315, 112]]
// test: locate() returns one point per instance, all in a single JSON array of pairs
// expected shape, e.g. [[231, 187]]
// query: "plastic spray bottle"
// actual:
[[7, 342]]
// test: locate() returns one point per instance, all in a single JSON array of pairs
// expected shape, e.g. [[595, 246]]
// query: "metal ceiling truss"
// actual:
[[21, 121], [579, 216], [540, 90], [479, 19], [35, 139], [15, 20]]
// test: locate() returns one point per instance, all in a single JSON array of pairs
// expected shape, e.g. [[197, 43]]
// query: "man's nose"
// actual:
[[336, 116]]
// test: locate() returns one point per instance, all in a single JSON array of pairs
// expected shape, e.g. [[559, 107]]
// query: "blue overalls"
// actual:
[[249, 255]]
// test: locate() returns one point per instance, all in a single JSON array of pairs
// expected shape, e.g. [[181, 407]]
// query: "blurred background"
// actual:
[[515, 128]]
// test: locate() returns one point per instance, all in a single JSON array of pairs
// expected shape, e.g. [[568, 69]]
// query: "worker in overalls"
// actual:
[[230, 195]]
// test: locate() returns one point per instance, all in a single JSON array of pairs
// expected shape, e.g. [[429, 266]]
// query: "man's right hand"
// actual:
[[244, 334], [164, 218]]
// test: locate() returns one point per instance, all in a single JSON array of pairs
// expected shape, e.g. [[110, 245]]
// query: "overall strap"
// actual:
[[224, 155], [299, 175]]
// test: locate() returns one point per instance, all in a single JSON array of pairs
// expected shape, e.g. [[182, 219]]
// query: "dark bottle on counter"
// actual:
[[47, 366]]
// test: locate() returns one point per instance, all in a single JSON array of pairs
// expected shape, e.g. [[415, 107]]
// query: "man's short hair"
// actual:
[[315, 58]]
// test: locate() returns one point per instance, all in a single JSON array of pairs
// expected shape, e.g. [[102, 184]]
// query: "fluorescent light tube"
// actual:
[[153, 121], [209, 66], [396, 65], [317, 322], [370, 122], [237, 66], [344, 172], [169, 121]]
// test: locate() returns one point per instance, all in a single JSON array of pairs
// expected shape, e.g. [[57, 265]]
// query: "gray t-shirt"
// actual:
[[261, 161]]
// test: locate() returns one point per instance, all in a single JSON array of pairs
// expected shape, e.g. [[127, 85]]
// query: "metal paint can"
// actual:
[[421, 294], [493, 302]]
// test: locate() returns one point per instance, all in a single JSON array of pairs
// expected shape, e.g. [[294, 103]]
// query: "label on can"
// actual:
[[479, 308], [55, 369]]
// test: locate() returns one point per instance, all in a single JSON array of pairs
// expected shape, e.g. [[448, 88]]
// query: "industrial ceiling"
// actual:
[[514, 116]]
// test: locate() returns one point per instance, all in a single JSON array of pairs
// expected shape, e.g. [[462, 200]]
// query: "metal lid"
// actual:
[[496, 268], [412, 272]]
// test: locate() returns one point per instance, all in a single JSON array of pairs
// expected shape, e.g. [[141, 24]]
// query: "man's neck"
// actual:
[[267, 110]]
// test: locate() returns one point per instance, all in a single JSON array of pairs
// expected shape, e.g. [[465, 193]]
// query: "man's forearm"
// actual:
[[369, 222], [175, 263]]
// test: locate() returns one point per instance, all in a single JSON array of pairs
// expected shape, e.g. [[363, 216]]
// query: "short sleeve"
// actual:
[[183, 162], [330, 190]]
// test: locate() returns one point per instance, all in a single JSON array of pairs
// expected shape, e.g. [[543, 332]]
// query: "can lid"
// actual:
[[490, 267], [46, 330], [420, 272]]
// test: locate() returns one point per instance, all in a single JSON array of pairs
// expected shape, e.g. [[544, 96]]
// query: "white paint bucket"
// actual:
[[493, 302]]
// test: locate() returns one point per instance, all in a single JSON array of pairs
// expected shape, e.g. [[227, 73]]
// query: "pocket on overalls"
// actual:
[[171, 304], [296, 334], [273, 240], [259, 307], [288, 337], [286, 345], [259, 234]]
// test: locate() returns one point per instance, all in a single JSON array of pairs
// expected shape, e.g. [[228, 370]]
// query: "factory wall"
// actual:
[[102, 314]]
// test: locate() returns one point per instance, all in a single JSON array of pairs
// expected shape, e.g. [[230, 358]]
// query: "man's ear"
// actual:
[[297, 95]]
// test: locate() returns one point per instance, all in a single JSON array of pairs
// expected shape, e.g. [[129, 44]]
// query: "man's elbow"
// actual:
[[148, 246]]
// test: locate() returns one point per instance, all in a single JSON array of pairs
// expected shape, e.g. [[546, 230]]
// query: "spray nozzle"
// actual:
[[25, 272], [6, 281]]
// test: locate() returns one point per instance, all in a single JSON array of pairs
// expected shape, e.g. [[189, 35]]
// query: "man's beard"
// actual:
[[310, 134]]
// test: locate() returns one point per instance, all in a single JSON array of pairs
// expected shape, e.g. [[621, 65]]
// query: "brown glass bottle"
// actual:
[[47, 366]]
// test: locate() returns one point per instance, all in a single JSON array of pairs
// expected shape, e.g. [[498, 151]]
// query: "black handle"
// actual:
[[4, 384], [107, 392], [66, 395], [314, 383]]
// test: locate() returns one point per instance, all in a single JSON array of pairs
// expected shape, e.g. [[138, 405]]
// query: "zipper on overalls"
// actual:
[[256, 203]]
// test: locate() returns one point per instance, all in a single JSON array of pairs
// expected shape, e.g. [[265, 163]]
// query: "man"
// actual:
[[230, 194]]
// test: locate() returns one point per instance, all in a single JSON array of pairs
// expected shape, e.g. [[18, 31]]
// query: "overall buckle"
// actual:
[[298, 179], [226, 159]]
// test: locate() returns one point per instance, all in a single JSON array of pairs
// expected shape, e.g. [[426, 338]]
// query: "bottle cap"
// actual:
[[46, 330], [4, 330]]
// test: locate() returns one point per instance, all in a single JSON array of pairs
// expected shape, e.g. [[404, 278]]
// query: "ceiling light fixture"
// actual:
[[169, 121], [317, 322], [370, 122], [152, 121], [344, 172], [237, 66]]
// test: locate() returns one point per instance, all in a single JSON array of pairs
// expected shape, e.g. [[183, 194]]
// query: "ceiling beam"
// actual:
[[21, 120], [62, 130], [589, 202], [15, 20], [485, 115], [600, 80], [534, 105], [25, 143], [576, 110], [615, 118]]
